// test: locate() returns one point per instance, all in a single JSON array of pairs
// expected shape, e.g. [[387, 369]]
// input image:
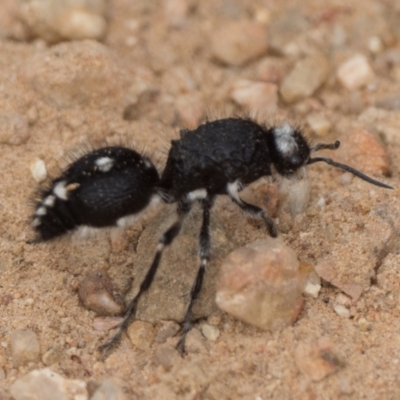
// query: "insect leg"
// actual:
[[205, 239], [256, 212], [166, 239]]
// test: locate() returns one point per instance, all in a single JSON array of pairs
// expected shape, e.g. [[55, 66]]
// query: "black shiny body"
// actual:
[[215, 154], [98, 198]]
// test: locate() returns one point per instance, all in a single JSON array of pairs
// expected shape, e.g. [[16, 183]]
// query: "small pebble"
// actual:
[[81, 24], [110, 389], [364, 325], [363, 150], [317, 359], [341, 310], [385, 122], [52, 356], [343, 300], [195, 342], [375, 44], [141, 334], [97, 293], [319, 124], [312, 289], [104, 324], [272, 69], [239, 42], [307, 76], [44, 384], [260, 284], [166, 329], [25, 347], [38, 170], [326, 270], [355, 72], [210, 332], [166, 357], [14, 128], [55, 20], [259, 98], [312, 282]]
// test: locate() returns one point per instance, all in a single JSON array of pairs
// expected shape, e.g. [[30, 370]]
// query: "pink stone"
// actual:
[[261, 284]]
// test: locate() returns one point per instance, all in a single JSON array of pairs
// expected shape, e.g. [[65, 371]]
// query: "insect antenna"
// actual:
[[349, 169], [334, 146], [325, 146]]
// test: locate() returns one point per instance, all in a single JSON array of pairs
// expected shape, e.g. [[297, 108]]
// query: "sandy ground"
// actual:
[[154, 73]]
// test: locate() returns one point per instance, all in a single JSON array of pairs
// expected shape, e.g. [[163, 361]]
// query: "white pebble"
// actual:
[[210, 332], [259, 98], [321, 202], [312, 289], [46, 384], [341, 310], [25, 347], [355, 72], [38, 170], [375, 44], [307, 76]]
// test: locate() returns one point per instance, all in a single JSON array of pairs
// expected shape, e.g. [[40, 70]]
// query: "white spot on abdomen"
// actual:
[[104, 163], [60, 190], [49, 201]]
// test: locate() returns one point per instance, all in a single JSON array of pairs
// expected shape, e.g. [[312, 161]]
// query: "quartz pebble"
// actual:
[[166, 329], [317, 359], [239, 42], [362, 149], [341, 310], [260, 284], [383, 122], [14, 128], [110, 389], [326, 271], [55, 20], [210, 332], [52, 355], [355, 72], [45, 384], [38, 170], [103, 324], [259, 98], [319, 124], [141, 334], [364, 325], [195, 342], [307, 76], [166, 357], [25, 347], [97, 293], [312, 282]]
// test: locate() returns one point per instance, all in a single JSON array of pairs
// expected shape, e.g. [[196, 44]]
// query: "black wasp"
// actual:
[[109, 186]]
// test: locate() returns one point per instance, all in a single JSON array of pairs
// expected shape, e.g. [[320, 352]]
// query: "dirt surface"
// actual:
[[155, 72]]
